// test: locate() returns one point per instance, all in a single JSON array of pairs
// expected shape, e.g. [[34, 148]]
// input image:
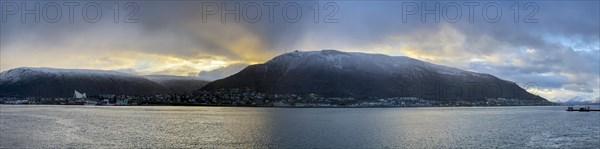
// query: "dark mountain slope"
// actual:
[[345, 74]]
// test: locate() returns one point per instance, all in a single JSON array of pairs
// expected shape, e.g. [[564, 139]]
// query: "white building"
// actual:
[[78, 95]]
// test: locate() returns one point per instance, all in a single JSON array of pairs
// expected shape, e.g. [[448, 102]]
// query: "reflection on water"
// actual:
[[485, 127]]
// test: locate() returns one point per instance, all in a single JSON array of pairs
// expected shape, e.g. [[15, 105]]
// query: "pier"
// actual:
[[586, 109]]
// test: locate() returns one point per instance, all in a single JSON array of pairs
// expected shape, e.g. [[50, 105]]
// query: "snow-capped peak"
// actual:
[[340, 60], [17, 74]]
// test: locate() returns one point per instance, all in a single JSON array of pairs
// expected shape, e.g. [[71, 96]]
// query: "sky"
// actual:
[[552, 44]]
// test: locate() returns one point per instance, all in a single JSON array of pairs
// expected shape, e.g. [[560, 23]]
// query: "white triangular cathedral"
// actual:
[[79, 95]]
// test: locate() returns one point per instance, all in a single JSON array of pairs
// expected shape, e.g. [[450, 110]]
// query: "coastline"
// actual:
[[250, 106]]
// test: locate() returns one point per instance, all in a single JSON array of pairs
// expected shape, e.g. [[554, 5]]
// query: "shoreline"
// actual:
[[245, 106]]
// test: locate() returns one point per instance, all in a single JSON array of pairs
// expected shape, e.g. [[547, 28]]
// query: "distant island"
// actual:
[[326, 78]]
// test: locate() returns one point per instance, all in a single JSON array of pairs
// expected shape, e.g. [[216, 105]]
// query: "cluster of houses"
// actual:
[[250, 97]]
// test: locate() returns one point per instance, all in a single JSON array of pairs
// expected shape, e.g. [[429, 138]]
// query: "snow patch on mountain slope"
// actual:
[[338, 60], [17, 74]]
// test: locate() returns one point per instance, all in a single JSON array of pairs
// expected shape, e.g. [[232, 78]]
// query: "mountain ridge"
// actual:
[[58, 82], [335, 73], [178, 84]]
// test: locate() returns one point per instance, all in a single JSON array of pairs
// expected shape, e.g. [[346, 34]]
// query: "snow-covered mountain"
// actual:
[[178, 84], [54, 82], [579, 100], [24, 73], [350, 74]]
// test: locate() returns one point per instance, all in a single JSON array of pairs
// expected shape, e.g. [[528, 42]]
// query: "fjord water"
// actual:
[[221, 127]]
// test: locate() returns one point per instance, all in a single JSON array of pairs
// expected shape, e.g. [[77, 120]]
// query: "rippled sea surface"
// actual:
[[225, 127]]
